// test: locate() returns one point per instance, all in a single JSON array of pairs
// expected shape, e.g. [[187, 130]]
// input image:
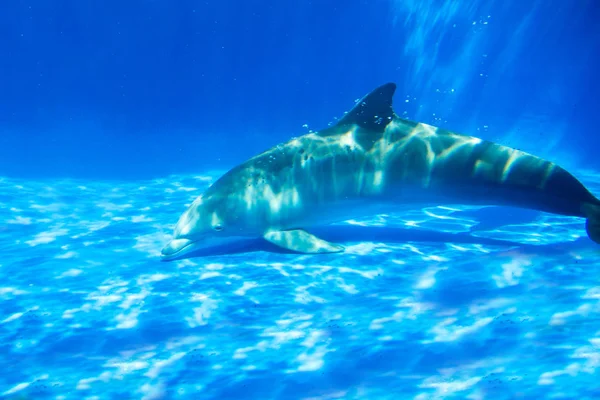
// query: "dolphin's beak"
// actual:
[[175, 248], [179, 248]]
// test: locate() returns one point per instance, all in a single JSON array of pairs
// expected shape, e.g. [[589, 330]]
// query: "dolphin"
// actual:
[[371, 161]]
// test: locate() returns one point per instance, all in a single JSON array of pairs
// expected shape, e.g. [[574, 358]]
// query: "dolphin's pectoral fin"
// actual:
[[301, 241]]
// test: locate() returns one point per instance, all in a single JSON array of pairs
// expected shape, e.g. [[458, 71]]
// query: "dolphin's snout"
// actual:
[[174, 247]]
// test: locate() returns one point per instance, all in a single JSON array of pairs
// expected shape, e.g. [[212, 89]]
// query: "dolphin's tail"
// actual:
[[592, 224]]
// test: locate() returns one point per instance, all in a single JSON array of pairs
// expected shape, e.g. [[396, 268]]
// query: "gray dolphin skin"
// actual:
[[370, 162]]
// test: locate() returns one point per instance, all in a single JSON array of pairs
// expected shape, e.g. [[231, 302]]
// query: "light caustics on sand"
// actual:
[[89, 311]]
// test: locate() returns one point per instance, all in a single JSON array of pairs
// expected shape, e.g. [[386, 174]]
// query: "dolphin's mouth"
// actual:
[[181, 248], [175, 248]]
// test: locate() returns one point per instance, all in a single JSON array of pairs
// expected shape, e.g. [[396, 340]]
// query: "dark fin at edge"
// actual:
[[374, 111], [592, 224]]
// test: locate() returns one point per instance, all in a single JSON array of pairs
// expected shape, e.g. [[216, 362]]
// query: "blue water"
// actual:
[[115, 116]]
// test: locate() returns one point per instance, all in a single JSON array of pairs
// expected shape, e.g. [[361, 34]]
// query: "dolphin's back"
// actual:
[[480, 171], [405, 163]]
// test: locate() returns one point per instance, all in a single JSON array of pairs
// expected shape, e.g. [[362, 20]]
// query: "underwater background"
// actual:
[[115, 115]]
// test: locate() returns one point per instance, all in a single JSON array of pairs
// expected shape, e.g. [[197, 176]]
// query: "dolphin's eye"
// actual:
[[218, 227]]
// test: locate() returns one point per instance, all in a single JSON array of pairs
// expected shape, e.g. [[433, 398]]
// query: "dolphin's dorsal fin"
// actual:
[[374, 111]]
